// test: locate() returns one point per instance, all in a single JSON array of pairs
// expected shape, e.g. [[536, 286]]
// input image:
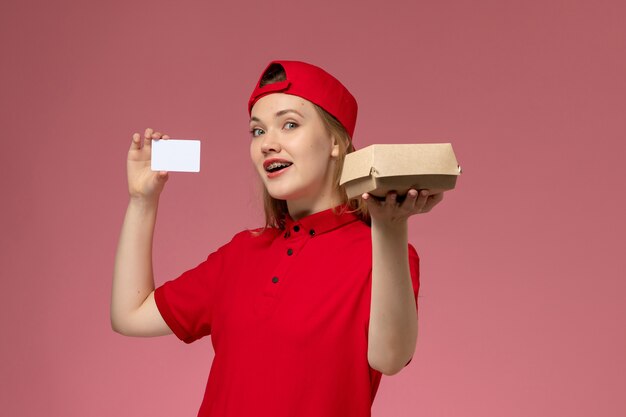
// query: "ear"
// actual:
[[335, 150]]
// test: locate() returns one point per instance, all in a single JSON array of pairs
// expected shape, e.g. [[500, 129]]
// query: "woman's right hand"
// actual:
[[143, 183], [133, 309]]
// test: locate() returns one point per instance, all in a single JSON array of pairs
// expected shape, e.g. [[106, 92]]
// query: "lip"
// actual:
[[267, 162], [277, 173]]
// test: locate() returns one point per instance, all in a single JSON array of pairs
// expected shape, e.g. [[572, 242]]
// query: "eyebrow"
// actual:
[[278, 114]]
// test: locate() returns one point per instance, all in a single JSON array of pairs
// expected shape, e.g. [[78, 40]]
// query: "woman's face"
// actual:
[[293, 152]]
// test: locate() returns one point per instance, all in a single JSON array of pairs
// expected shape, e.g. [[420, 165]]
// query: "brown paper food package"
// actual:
[[378, 169]]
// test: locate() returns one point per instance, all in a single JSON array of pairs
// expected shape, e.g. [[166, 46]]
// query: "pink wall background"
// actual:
[[522, 308]]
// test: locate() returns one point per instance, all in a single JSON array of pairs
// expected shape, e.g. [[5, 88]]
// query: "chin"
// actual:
[[281, 195], [284, 193]]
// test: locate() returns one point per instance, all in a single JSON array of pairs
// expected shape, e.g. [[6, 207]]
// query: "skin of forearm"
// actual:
[[133, 279], [393, 314]]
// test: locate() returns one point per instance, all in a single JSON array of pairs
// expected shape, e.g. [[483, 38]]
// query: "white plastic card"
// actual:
[[179, 155]]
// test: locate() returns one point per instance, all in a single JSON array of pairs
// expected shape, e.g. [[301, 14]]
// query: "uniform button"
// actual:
[[275, 280], [312, 232], [296, 228], [289, 251]]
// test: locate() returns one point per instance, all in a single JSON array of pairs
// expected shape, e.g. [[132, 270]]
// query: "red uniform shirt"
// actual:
[[288, 314]]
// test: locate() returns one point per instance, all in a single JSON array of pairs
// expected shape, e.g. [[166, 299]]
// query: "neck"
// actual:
[[299, 208]]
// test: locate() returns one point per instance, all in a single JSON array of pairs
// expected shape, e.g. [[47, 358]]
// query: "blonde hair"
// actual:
[[276, 210]]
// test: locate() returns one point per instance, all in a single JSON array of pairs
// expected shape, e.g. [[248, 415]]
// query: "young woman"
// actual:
[[306, 313]]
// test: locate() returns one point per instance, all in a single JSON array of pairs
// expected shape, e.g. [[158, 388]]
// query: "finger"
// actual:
[[136, 142], [391, 198], [156, 135], [165, 137], [433, 200], [162, 176], [409, 201], [421, 200], [370, 201], [148, 137]]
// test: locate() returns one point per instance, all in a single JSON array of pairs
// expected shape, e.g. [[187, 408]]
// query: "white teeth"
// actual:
[[277, 165]]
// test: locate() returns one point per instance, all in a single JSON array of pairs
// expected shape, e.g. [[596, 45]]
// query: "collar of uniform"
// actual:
[[321, 222]]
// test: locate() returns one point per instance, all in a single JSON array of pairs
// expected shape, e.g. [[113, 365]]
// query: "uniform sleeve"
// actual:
[[414, 268], [186, 303]]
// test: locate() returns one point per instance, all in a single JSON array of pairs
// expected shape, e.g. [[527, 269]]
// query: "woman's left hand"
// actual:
[[390, 211]]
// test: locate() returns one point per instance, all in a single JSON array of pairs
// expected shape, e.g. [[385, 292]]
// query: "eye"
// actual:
[[256, 132], [290, 125]]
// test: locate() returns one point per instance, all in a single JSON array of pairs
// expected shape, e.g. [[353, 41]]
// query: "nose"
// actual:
[[270, 144]]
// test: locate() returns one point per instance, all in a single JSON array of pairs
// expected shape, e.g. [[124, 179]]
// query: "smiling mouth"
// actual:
[[277, 166]]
